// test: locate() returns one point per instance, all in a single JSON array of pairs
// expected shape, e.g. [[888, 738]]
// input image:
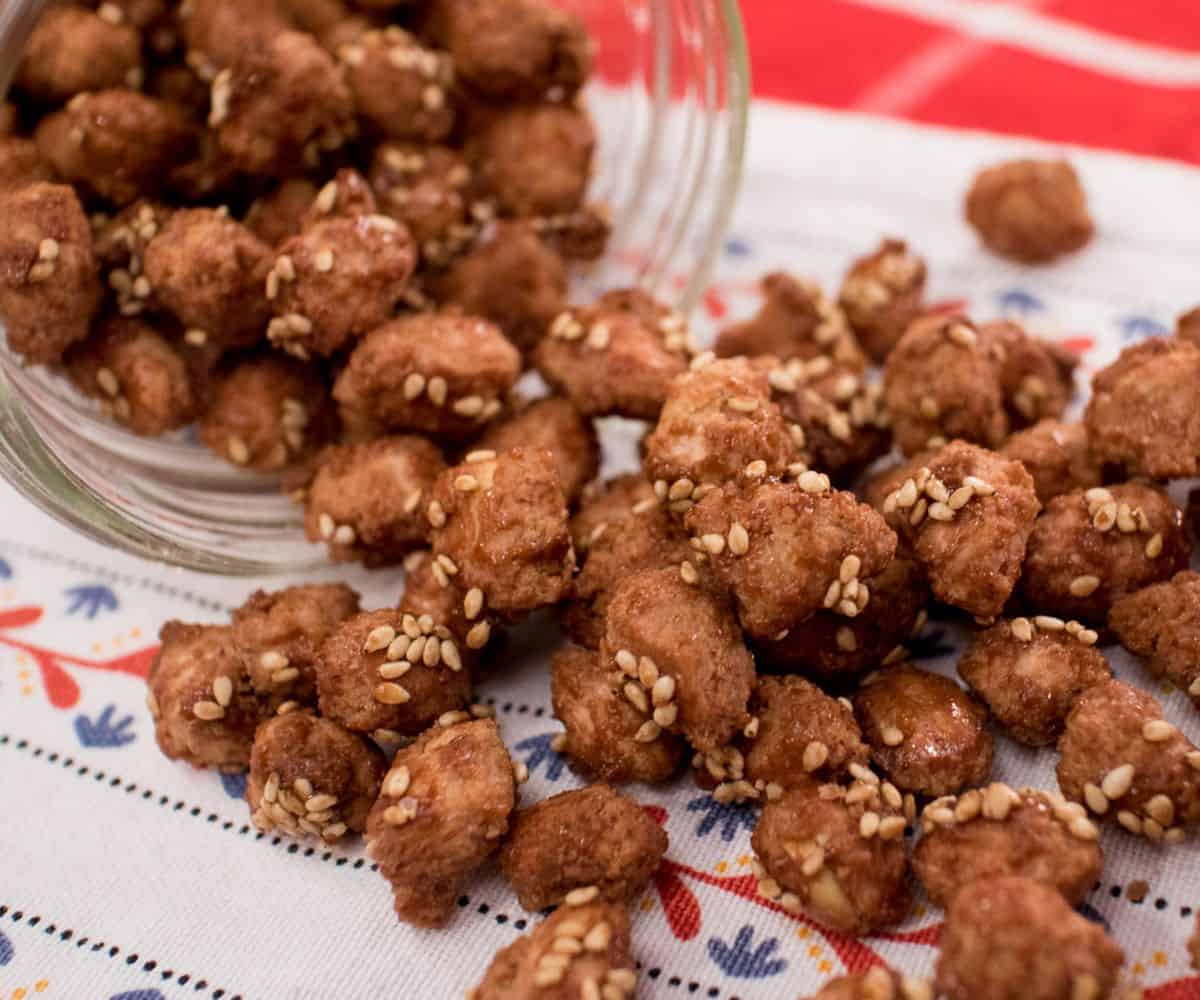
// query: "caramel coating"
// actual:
[[926, 734], [1012, 938], [613, 542], [10, 120], [138, 375], [1123, 761], [311, 777], [830, 646], [21, 163], [280, 213], [267, 413], [602, 724], [1037, 377], [688, 634], [972, 552], [366, 501], [216, 32], [530, 968], [336, 281], [616, 357], [815, 856], [396, 686], [49, 289], [279, 633], [780, 549], [995, 832], [517, 49], [882, 294], [588, 836], [440, 373], [717, 420], [208, 270], [941, 383], [556, 426], [1057, 456], [1091, 548], [1161, 624], [204, 710], [428, 592], [280, 103], [1029, 210], [1030, 676], [73, 49], [793, 715], [117, 144], [501, 522], [513, 279], [426, 188], [444, 806], [796, 320], [399, 86], [534, 159], [1144, 412]]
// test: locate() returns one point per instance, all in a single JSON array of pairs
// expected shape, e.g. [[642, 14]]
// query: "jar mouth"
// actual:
[[671, 146]]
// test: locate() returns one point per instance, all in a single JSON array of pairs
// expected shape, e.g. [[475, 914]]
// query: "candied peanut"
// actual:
[[178, 84], [278, 635], [120, 245], [49, 290], [444, 805], [1161, 624], [591, 836], [1090, 548], [217, 32], [602, 725], [968, 514], [1057, 456], [427, 188], [336, 281], [994, 831], [400, 87], [579, 951], [786, 551], [512, 278], [836, 853], [716, 420], [881, 295], [556, 426], [1123, 761], [580, 235], [440, 373], [1029, 210], [1187, 325], [679, 644], [941, 383], [367, 501], [140, 377], [204, 710], [1037, 377], [311, 777], [389, 670], [796, 320], [280, 213], [281, 102], [830, 646], [499, 523], [21, 163], [1029, 676], [208, 270], [616, 357], [518, 49], [1144, 412], [73, 49], [118, 144], [1012, 938], [926, 734]]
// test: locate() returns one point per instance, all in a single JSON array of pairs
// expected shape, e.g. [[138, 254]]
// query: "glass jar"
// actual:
[[670, 96]]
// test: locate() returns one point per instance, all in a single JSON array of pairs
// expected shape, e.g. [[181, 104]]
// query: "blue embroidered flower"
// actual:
[[1018, 300], [104, 732], [138, 995], [541, 752], [5, 570], [1140, 327], [731, 817], [234, 785], [744, 961], [735, 246], [6, 949], [91, 599]]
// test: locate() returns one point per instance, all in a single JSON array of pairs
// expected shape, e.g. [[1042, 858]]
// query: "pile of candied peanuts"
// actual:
[[329, 291]]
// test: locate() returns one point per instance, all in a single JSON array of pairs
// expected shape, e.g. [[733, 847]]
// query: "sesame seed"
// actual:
[[813, 863], [1096, 800], [344, 534], [1049, 623], [892, 736], [637, 697], [647, 672], [581, 896], [414, 385], [688, 573], [627, 662], [107, 381], [666, 715], [379, 638], [1162, 810], [478, 637], [209, 711], [868, 825], [962, 335], [714, 543], [846, 640], [468, 406], [1082, 586], [435, 514], [323, 261], [815, 755], [389, 693], [1154, 547], [1118, 781], [1157, 730], [739, 539], [742, 404], [648, 732], [998, 801], [223, 691]]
